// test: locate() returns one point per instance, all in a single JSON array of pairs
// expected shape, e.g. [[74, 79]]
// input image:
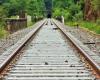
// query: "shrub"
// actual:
[[98, 21]]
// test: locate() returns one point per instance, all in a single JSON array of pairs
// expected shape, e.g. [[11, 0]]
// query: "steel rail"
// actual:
[[23, 42], [84, 52]]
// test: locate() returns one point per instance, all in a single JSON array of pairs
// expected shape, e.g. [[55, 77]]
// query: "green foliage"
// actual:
[[98, 21], [13, 7], [35, 7], [2, 12], [88, 25], [32, 7], [57, 12], [91, 26], [78, 16], [70, 9], [2, 32], [96, 4]]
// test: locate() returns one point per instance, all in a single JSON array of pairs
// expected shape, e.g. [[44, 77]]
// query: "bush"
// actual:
[[89, 25], [79, 16], [57, 12], [98, 21], [2, 33], [98, 30]]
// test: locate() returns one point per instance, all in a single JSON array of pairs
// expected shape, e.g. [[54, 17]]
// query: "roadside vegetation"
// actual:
[[13, 8], [86, 13], [93, 27], [3, 33]]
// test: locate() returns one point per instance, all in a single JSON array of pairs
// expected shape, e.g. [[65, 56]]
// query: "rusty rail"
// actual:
[[80, 47], [94, 65], [24, 41]]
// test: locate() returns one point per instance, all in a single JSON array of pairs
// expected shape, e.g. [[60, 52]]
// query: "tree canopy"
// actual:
[[70, 9]]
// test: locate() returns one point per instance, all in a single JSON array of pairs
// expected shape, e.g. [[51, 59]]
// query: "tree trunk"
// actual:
[[89, 13]]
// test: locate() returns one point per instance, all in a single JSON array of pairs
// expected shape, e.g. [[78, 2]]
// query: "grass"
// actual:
[[14, 17], [88, 25], [30, 23], [2, 33]]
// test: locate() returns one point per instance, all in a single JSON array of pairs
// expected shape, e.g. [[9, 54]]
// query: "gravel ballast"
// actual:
[[91, 40]]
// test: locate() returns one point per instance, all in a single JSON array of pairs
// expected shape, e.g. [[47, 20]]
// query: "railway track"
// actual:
[[45, 54]]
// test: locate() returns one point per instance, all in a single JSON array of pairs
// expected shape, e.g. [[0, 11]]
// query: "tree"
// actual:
[[96, 6], [35, 7], [70, 9], [92, 10], [13, 7]]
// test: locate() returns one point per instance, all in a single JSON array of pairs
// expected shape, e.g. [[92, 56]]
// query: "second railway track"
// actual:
[[49, 56]]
